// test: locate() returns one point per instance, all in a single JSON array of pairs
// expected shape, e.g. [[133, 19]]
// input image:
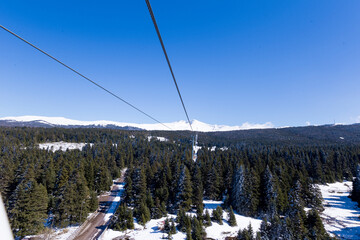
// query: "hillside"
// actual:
[[270, 175]]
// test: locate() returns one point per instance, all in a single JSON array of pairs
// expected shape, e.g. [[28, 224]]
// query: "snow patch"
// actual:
[[161, 139], [152, 231], [341, 215], [217, 231], [56, 234], [55, 146], [213, 148]]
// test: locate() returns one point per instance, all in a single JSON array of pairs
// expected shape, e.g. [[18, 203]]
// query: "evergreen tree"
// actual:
[[217, 215], [181, 218], [199, 213], [30, 209], [246, 233], [81, 205], [185, 189], [212, 186], [128, 198], [197, 187], [269, 193], [315, 226], [232, 219], [93, 202], [241, 192], [167, 225], [355, 194], [143, 213], [296, 212], [129, 219], [197, 232], [66, 206], [139, 186], [188, 235], [276, 229], [158, 211], [254, 185], [142, 220], [123, 219], [207, 219], [172, 227]]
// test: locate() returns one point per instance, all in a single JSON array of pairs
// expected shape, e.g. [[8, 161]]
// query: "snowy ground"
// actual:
[[55, 234], [341, 215], [150, 232], [216, 231], [213, 148], [161, 139], [55, 146]]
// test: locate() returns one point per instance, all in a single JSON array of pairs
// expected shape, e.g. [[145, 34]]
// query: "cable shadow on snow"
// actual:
[[345, 203], [350, 233], [342, 202]]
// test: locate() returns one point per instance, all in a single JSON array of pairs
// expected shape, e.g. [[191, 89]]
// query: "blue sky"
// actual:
[[285, 62]]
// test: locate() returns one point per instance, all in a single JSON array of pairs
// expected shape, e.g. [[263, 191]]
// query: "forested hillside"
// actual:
[[264, 176]]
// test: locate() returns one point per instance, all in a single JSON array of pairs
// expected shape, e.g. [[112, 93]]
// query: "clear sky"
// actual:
[[285, 62]]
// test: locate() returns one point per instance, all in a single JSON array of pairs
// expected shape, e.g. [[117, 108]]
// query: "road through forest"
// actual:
[[95, 225]]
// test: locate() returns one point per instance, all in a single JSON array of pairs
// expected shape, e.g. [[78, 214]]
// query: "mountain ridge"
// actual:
[[42, 121]]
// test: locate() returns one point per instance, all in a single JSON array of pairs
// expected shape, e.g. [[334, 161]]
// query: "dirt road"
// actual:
[[93, 227]]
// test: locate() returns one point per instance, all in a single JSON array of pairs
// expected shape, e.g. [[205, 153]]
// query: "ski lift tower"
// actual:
[[194, 148]]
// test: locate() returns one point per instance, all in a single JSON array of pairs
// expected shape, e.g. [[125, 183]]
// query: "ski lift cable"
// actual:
[[195, 137], [83, 76], [167, 58]]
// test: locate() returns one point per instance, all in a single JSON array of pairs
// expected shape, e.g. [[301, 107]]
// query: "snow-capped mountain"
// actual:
[[40, 121]]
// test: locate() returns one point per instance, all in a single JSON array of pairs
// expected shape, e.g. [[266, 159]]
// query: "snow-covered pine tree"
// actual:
[[241, 192], [295, 200], [183, 197], [139, 186], [275, 229], [269, 194], [296, 211], [313, 197]]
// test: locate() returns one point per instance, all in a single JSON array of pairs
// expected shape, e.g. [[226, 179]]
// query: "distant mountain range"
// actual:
[[47, 122]]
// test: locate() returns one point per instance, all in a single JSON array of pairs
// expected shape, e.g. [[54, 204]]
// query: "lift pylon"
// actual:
[[194, 148]]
